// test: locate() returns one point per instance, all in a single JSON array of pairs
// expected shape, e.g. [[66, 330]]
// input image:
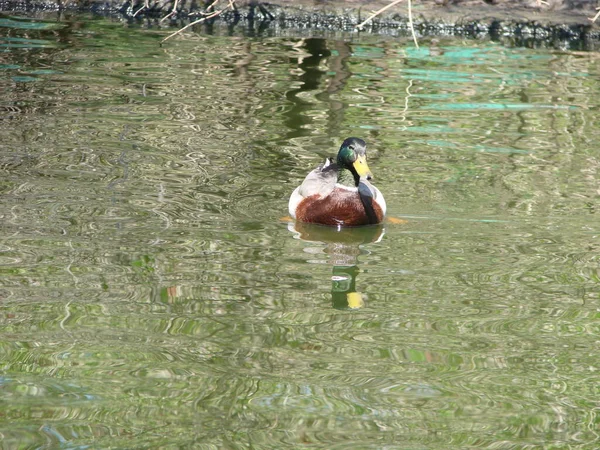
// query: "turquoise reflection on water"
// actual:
[[152, 296]]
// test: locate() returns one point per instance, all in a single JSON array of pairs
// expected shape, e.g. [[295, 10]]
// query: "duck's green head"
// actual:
[[353, 157]]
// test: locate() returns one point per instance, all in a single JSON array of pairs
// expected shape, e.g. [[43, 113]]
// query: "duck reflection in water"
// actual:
[[343, 246]]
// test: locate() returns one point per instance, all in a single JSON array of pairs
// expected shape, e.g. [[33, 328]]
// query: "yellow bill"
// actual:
[[361, 167]]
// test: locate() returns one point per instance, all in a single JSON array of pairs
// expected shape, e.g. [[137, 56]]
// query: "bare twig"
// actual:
[[411, 26], [173, 11], [212, 5], [593, 19], [376, 13], [385, 8], [146, 5], [196, 22]]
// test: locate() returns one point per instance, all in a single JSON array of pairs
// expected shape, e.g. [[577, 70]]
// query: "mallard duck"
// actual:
[[339, 193]]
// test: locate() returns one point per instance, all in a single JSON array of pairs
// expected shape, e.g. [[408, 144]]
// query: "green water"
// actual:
[[151, 296]]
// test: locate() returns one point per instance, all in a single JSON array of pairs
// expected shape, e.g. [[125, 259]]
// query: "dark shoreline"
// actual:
[[562, 24]]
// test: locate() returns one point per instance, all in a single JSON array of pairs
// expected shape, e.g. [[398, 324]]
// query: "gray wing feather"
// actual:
[[319, 181]]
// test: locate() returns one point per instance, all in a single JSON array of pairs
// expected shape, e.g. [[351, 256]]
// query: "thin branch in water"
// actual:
[[196, 22], [173, 11], [593, 19], [385, 8], [376, 13], [212, 5], [411, 25], [207, 8], [146, 5]]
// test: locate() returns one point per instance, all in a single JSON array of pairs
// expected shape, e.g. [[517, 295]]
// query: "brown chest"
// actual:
[[340, 208]]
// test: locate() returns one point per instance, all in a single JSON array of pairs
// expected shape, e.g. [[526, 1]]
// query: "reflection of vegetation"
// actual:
[[144, 266]]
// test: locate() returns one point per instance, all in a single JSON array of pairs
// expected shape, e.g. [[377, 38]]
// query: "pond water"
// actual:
[[153, 294]]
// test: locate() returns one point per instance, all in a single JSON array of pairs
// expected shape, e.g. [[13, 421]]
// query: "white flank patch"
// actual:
[[346, 188], [295, 200]]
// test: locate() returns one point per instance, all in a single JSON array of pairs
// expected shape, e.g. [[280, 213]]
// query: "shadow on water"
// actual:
[[343, 247]]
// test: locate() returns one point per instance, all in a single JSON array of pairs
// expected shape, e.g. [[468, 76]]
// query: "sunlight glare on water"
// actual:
[[152, 296]]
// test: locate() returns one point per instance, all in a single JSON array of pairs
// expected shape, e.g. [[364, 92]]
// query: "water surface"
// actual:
[[152, 296]]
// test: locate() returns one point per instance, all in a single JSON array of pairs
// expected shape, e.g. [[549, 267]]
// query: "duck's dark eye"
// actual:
[[351, 147]]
